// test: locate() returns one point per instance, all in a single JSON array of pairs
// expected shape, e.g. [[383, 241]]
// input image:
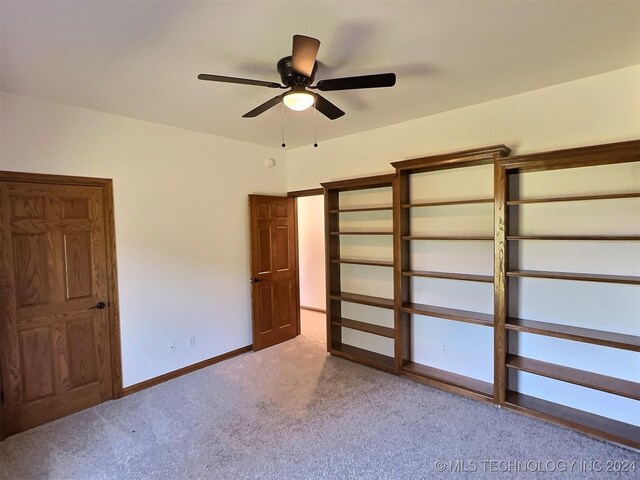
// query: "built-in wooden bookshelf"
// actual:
[[335, 296], [507, 360], [404, 238], [500, 391]]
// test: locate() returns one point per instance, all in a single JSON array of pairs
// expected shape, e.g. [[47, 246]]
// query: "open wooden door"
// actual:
[[274, 277]]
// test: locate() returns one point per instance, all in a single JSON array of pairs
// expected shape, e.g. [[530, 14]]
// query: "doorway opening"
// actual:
[[311, 264]]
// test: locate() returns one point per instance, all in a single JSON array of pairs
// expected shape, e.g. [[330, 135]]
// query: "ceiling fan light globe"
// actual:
[[298, 101]]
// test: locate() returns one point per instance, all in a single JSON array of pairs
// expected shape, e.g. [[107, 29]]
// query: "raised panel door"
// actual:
[[273, 270], [55, 342]]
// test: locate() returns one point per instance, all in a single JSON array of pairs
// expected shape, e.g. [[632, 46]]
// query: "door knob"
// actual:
[[99, 306], [255, 280]]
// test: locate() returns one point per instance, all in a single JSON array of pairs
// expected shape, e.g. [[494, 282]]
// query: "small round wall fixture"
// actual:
[[269, 163]]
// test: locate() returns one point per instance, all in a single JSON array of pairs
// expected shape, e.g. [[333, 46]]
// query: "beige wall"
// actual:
[[181, 216], [599, 109]]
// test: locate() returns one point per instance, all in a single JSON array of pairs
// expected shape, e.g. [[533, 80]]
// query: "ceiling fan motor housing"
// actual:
[[291, 78]]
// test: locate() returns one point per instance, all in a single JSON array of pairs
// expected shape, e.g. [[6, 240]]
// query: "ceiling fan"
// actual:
[[297, 73]]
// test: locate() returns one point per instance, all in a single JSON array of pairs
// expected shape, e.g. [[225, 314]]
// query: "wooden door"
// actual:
[[55, 334], [274, 273]]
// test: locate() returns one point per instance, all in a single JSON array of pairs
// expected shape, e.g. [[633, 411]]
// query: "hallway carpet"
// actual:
[[292, 412]]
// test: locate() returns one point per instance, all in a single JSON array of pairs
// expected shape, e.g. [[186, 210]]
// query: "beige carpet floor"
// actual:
[[292, 412]]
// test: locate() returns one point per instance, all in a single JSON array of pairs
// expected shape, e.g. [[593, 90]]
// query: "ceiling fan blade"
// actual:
[[264, 107], [327, 108], [242, 81], [305, 50], [364, 81]]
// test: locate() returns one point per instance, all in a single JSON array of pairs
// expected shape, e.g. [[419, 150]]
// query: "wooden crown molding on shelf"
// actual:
[[309, 192], [607, 154], [463, 158], [360, 183]]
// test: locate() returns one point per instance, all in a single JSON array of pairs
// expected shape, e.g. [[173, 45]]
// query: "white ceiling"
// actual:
[[141, 59]]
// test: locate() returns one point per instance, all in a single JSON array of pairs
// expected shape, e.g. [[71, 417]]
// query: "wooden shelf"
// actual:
[[371, 359], [580, 198], [465, 316], [453, 237], [373, 263], [360, 209], [361, 233], [334, 268], [575, 237], [585, 422], [578, 334], [450, 276], [364, 327], [363, 299], [580, 420], [442, 378], [604, 383], [584, 277], [448, 202]]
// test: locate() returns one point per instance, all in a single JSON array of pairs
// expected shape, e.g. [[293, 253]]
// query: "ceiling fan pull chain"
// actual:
[[315, 126], [282, 108]]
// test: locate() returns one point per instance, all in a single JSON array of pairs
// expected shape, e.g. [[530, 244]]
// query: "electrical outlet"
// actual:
[[192, 341], [444, 348], [171, 347]]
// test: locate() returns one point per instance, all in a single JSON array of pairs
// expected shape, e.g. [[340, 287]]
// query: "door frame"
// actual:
[[106, 184], [310, 192]]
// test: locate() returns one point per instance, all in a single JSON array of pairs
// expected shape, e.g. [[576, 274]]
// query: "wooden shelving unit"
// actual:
[[335, 296], [506, 360], [405, 307]]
